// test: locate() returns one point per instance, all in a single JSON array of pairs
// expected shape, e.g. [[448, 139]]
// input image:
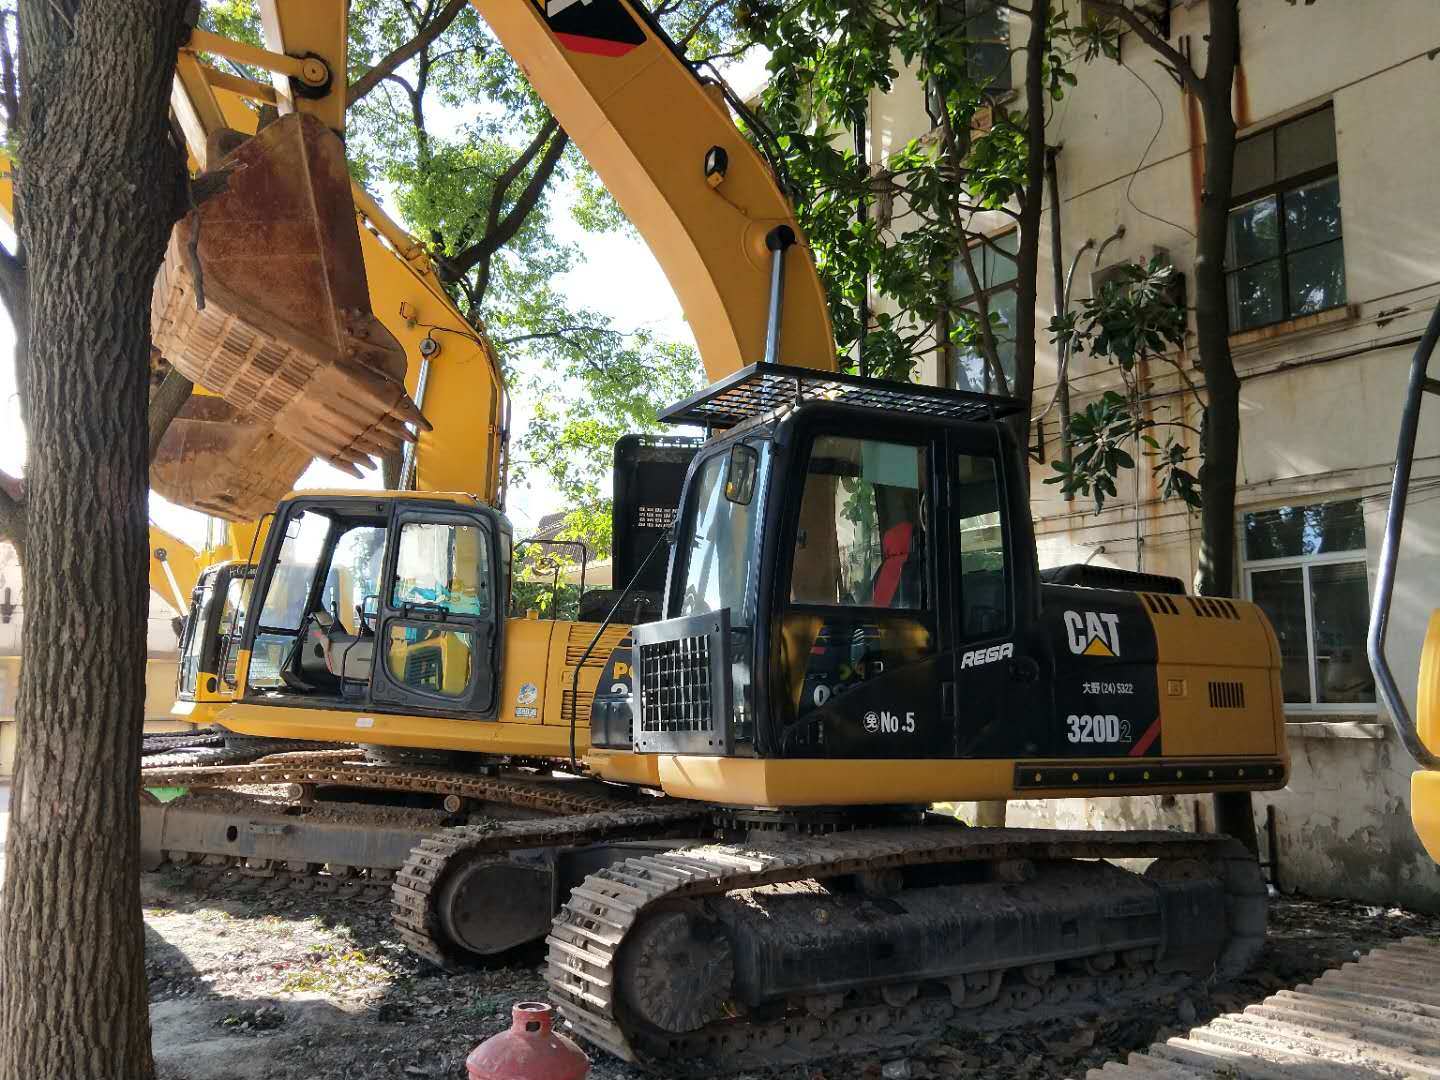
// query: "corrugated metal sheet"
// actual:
[[1377, 1017]]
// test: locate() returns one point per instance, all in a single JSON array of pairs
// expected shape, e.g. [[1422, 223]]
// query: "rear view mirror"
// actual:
[[740, 472]]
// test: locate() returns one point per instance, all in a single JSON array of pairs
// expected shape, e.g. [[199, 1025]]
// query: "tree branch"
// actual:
[[558, 332], [699, 22], [500, 231], [12, 511], [1172, 56], [165, 404], [391, 63]]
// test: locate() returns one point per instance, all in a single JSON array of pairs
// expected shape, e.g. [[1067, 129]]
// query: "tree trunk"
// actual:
[[98, 183], [1234, 813], [1027, 261]]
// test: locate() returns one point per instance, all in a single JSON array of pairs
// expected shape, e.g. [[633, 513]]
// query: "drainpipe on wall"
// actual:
[[862, 211]]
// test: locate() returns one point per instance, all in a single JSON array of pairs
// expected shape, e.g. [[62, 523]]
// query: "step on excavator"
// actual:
[[712, 806]]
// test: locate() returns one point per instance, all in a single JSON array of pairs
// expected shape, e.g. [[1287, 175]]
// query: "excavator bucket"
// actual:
[[262, 299], [218, 461]]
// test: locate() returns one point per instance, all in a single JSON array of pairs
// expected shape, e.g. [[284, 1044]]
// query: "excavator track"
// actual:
[[607, 945], [418, 885], [212, 756], [237, 875], [338, 768]]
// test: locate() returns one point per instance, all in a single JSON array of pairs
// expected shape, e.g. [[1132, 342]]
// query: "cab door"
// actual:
[[437, 643], [995, 686], [861, 629]]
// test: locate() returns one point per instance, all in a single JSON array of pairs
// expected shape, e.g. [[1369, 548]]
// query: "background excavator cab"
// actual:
[[387, 604], [212, 630]]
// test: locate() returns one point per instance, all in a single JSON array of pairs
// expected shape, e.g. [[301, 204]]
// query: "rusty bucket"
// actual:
[[286, 333], [215, 460]]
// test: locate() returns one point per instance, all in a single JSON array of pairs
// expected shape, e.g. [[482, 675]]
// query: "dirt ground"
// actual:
[[292, 987]]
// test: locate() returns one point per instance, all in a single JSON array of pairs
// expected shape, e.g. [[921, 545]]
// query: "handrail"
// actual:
[[1420, 384]]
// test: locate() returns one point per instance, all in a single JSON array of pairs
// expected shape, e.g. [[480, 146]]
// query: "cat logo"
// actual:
[[1093, 633]]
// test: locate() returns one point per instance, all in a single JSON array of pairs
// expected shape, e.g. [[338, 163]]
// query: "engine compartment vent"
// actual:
[[1227, 695]]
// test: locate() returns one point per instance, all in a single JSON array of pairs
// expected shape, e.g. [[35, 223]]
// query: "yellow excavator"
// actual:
[[717, 817]]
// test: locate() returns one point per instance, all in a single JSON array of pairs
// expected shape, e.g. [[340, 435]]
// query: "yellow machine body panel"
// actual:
[[1425, 784], [535, 701], [1427, 698], [1425, 809], [1218, 717], [772, 782]]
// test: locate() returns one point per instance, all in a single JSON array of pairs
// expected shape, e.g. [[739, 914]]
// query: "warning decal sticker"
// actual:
[[599, 27]]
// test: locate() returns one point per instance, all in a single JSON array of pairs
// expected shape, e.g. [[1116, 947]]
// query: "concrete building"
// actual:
[[1342, 146]]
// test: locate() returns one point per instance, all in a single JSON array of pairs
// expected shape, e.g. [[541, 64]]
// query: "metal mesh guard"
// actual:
[[684, 680], [763, 388]]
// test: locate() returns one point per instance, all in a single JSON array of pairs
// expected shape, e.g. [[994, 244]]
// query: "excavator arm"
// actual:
[[662, 139], [666, 147]]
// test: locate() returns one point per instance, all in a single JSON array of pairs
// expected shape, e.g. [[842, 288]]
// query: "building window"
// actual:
[[986, 27], [994, 262], [1285, 255], [1305, 567]]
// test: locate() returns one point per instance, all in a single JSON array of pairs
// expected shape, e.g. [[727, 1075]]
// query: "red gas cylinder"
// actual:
[[530, 1050]]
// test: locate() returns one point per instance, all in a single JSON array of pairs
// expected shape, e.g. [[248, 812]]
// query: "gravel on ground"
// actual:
[[313, 987]]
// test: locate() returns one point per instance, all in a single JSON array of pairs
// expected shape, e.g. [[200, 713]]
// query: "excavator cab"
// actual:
[[207, 642], [387, 605], [840, 546]]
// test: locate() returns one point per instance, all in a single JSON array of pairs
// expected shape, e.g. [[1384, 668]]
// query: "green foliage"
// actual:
[[627, 378], [540, 595], [1135, 317], [828, 57]]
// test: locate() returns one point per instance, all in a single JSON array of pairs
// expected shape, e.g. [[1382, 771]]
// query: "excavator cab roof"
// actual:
[[764, 388]]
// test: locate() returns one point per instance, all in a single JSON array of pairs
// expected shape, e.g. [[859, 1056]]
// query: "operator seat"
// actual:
[[329, 650], [900, 580]]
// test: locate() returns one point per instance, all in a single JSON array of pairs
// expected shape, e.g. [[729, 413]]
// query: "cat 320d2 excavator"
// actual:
[[736, 866]]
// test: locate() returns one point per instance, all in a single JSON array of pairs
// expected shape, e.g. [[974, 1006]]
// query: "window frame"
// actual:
[[1277, 189], [997, 88], [388, 690], [1304, 711], [956, 302]]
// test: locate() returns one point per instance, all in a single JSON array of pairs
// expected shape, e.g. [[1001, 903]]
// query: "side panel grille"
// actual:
[[683, 675], [580, 635], [1213, 607], [1206, 607], [1227, 695], [1160, 603]]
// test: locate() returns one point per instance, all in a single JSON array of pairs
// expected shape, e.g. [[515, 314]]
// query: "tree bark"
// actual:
[[1234, 811], [1027, 260], [98, 208]]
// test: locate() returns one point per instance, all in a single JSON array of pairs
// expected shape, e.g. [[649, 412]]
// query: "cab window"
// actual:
[[861, 541], [984, 592], [722, 543], [443, 567], [433, 660], [354, 576]]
